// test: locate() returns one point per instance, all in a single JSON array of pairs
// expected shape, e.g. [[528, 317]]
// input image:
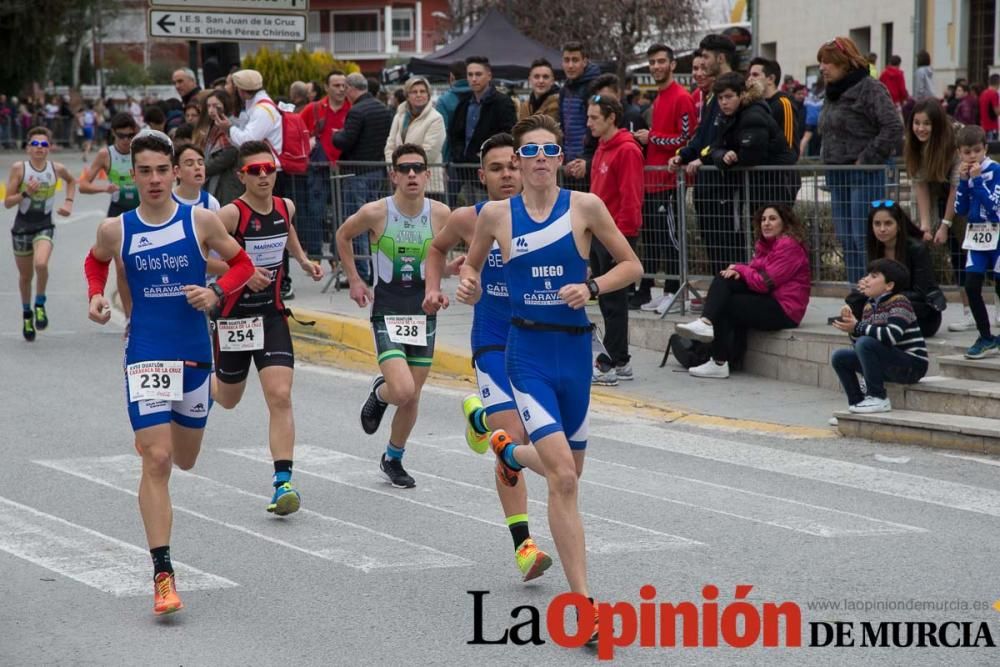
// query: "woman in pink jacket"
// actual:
[[768, 294]]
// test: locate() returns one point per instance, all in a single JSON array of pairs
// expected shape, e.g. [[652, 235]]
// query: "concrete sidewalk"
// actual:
[[743, 402]]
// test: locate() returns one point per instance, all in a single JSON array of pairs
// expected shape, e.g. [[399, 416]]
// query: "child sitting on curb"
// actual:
[[888, 345]]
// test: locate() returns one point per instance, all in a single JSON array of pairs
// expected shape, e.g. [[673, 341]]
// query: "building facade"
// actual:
[[962, 36], [368, 32]]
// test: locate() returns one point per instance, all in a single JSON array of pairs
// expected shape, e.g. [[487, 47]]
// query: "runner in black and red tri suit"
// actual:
[[253, 324]]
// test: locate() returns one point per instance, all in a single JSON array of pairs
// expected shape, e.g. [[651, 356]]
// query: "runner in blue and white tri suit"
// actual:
[[493, 407], [168, 354], [544, 238]]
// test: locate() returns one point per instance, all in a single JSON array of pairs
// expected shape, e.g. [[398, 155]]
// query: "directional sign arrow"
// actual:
[[164, 25]]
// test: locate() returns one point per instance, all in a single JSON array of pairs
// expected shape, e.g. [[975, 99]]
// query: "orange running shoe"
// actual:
[[531, 560], [165, 598], [594, 635], [499, 441]]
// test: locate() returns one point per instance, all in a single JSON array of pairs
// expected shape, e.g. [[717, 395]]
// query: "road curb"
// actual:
[[340, 340]]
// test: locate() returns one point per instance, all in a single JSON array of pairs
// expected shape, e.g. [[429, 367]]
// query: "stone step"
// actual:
[[950, 396], [957, 366], [909, 427]]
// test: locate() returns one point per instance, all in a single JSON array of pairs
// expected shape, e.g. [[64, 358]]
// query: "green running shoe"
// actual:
[[477, 442]]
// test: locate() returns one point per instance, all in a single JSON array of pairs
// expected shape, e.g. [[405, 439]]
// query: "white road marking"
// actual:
[[717, 498], [969, 457], [315, 534], [87, 556], [465, 500], [806, 466]]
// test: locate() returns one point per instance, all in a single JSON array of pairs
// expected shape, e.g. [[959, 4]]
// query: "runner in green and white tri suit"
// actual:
[[401, 229]]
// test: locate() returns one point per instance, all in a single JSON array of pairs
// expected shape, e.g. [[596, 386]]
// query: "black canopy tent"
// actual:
[[510, 52]]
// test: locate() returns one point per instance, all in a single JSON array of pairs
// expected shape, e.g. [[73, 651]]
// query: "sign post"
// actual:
[[227, 26], [229, 20]]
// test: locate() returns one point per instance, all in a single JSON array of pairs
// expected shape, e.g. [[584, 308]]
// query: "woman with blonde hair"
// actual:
[[418, 122]]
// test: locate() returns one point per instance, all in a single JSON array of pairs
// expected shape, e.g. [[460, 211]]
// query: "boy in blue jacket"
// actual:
[[978, 199]]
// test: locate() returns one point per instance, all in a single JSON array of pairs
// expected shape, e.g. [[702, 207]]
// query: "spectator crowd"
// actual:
[[634, 150]]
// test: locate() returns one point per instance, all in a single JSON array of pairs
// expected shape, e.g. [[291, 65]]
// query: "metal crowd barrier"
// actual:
[[692, 230]]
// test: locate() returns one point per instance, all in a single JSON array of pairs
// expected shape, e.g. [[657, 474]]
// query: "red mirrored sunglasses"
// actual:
[[260, 168]]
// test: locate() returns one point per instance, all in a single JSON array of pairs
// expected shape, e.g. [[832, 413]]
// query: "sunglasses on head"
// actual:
[[407, 167], [38, 143], [259, 168], [532, 150], [836, 42], [883, 203]]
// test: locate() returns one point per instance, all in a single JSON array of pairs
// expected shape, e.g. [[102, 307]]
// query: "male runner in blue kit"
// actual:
[[544, 238], [162, 246], [493, 407]]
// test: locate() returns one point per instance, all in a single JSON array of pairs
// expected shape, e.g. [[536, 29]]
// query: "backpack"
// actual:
[[687, 352], [294, 156]]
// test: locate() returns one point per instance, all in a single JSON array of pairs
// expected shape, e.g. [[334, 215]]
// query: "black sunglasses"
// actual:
[[407, 167]]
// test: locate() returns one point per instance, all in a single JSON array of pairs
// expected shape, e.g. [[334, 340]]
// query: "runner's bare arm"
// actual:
[[229, 215], [215, 237], [296, 250], [102, 162], [63, 173], [627, 269], [14, 197], [96, 268], [369, 217], [469, 284], [458, 228]]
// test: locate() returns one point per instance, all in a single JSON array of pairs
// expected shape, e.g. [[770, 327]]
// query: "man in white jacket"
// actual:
[[262, 122]]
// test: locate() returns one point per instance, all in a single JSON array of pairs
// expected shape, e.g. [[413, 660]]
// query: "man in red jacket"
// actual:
[[615, 177], [894, 80], [323, 118], [673, 125]]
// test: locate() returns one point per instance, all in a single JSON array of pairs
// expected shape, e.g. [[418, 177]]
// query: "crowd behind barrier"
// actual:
[[713, 241]]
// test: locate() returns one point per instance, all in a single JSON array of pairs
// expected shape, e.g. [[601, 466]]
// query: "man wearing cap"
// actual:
[[261, 122]]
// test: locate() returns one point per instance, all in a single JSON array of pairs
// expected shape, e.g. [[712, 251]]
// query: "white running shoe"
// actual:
[[871, 404], [697, 330], [710, 369], [675, 307], [967, 323], [654, 303], [832, 421], [607, 378]]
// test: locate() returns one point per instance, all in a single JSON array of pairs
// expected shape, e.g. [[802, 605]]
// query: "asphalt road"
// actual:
[[372, 575]]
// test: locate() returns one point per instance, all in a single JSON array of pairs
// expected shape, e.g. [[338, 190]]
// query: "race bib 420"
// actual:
[[981, 236]]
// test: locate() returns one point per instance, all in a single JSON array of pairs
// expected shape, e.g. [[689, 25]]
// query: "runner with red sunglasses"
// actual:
[[253, 323]]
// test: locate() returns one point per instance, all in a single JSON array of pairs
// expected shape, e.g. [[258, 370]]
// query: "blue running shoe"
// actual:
[[981, 348], [286, 500]]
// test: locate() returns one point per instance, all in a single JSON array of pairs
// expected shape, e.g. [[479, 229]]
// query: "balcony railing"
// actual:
[[361, 41]]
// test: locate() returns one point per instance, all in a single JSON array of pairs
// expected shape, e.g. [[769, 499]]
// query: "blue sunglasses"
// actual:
[[883, 203], [532, 150]]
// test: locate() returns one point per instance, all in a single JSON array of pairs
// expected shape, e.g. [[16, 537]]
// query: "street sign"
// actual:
[[245, 5], [227, 26]]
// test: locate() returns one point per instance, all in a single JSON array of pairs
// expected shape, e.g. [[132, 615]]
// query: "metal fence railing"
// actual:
[[833, 203]]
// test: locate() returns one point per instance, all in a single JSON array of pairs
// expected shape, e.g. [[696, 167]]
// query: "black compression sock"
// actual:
[[518, 526], [161, 560]]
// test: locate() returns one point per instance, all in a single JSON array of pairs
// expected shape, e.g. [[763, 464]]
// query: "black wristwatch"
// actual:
[[219, 292], [594, 289]]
